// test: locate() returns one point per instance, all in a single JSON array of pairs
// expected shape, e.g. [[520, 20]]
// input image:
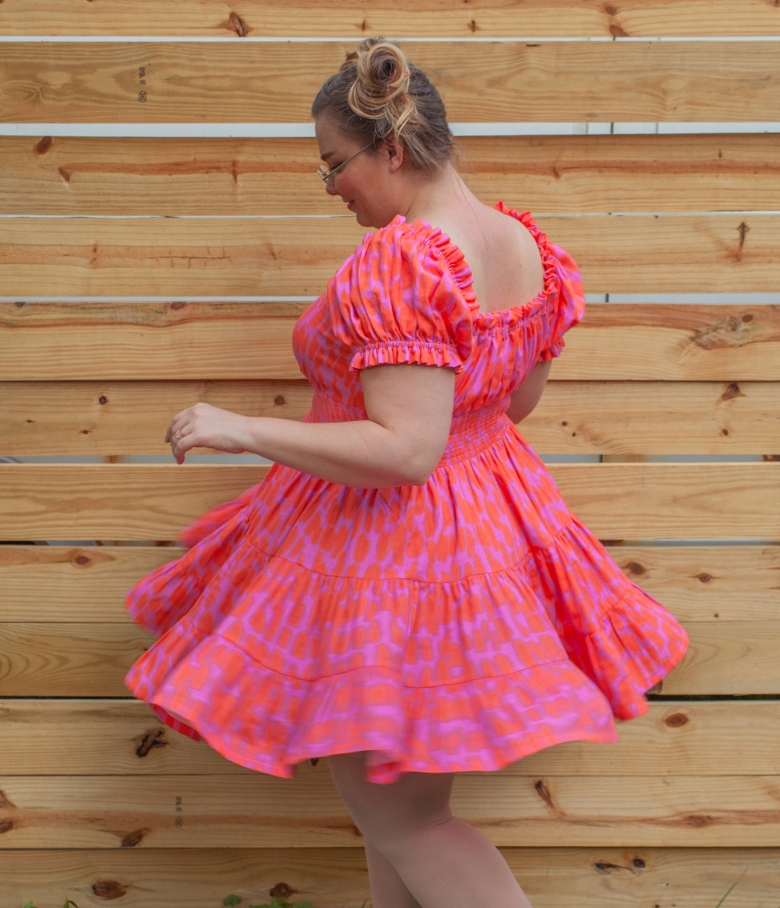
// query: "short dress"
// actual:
[[458, 625]]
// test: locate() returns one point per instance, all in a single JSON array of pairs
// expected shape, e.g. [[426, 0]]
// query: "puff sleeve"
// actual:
[[400, 299], [567, 301]]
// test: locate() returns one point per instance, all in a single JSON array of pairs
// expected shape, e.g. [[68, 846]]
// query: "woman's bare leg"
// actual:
[[388, 890], [442, 860]]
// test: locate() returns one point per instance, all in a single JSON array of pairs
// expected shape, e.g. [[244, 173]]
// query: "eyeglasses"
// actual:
[[327, 175]]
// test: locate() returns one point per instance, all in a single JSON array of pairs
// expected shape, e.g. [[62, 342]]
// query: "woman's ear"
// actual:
[[395, 152]]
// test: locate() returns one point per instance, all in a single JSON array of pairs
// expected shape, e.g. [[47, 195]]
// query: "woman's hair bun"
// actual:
[[378, 94], [381, 89]]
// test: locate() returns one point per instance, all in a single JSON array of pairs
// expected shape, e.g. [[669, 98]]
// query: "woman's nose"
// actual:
[[330, 189]]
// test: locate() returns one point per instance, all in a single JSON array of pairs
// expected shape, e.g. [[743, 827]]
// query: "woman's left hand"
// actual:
[[204, 426]]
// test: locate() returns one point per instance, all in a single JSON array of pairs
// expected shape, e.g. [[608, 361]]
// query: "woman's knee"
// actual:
[[418, 800]]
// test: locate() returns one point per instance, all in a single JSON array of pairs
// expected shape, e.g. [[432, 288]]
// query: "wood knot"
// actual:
[[747, 318], [103, 400], [635, 568], [698, 820], [638, 862], [6, 826], [610, 10], [108, 889], [19, 305], [607, 867], [81, 559], [153, 738], [731, 391], [176, 306], [282, 891], [279, 400], [704, 578], [676, 720], [134, 838], [473, 25], [617, 32], [314, 761], [238, 25], [544, 793], [44, 145]]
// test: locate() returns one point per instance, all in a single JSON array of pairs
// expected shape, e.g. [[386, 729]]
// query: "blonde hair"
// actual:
[[377, 94]]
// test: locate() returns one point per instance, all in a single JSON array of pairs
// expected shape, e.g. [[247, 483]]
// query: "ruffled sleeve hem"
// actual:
[[404, 297], [551, 351], [425, 353]]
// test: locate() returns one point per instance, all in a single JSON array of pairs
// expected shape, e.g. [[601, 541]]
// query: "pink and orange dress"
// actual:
[[457, 625]]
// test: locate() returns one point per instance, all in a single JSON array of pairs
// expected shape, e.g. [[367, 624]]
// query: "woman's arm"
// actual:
[[409, 409], [527, 396]]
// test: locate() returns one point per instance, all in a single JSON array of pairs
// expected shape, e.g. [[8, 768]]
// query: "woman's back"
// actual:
[[504, 257]]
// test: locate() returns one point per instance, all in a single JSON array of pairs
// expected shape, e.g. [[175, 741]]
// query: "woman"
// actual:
[[406, 592]]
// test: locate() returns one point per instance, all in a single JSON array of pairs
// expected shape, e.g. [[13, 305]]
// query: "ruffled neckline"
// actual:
[[442, 246]]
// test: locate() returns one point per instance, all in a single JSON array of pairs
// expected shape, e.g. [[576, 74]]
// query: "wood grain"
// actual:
[[216, 340], [104, 175], [601, 877], [276, 82], [290, 256], [72, 660], [82, 659], [125, 738], [106, 418], [265, 811], [401, 18], [73, 584], [616, 501]]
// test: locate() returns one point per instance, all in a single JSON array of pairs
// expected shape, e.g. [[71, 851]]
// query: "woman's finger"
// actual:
[[177, 423]]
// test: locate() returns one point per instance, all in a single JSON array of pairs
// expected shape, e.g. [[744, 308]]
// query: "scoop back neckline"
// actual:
[[461, 270]]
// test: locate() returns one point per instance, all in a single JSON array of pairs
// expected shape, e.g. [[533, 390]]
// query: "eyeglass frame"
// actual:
[[327, 175]]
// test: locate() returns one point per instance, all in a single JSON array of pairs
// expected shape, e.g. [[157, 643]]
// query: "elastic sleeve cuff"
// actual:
[[428, 353], [552, 351]]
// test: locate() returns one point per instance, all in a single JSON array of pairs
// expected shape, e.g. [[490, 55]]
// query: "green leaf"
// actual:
[[29, 905], [68, 903], [231, 900], [302, 905]]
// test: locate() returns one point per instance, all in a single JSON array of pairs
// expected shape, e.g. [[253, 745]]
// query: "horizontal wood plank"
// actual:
[[104, 175], [73, 584], [73, 660], [91, 659], [198, 341], [617, 501], [265, 811], [291, 256], [132, 501], [107, 418], [334, 877], [163, 82], [443, 19], [125, 738]]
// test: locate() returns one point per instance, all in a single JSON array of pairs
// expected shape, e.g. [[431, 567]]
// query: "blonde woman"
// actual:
[[406, 592]]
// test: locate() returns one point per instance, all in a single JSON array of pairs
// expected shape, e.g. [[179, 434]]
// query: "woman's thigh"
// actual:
[[416, 801]]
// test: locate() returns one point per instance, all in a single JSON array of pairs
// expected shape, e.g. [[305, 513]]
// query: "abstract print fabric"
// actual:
[[458, 625]]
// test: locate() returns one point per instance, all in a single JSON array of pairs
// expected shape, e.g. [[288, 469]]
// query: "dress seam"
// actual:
[[383, 668], [311, 570]]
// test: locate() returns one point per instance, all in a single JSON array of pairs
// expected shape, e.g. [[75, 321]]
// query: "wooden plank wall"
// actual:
[[99, 801]]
